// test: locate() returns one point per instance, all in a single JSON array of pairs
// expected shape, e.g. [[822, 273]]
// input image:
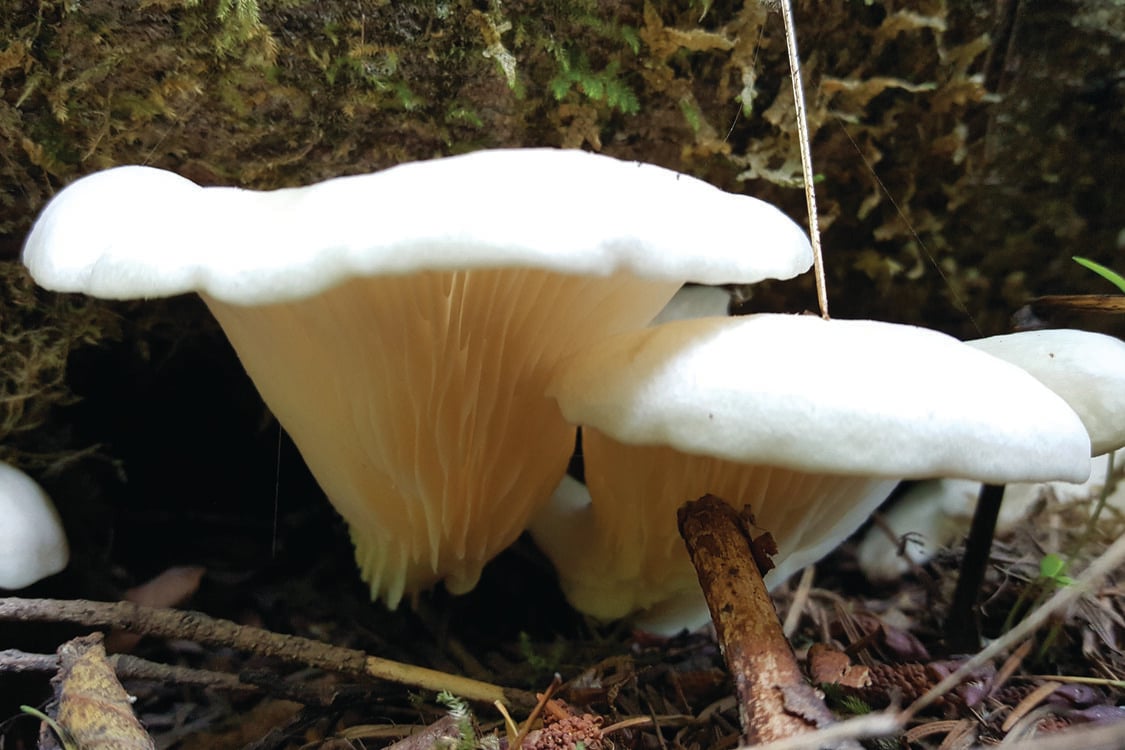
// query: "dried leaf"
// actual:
[[829, 666], [91, 703]]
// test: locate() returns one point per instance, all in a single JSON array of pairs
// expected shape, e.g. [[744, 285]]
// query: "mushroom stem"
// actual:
[[786, 8], [774, 699], [962, 631]]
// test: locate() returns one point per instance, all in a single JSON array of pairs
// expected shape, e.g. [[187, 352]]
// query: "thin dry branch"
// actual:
[[198, 627], [128, 667]]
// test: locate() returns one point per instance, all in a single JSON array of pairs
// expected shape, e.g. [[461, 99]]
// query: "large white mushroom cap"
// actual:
[[1087, 369], [403, 325], [32, 542], [133, 231], [810, 422]]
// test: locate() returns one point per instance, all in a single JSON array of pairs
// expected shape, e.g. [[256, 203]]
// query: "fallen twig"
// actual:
[[198, 627], [128, 667]]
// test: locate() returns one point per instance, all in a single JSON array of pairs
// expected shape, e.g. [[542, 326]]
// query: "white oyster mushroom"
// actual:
[[403, 325], [809, 422], [32, 542]]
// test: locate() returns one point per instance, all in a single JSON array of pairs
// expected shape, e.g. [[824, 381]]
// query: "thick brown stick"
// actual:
[[198, 627], [774, 699]]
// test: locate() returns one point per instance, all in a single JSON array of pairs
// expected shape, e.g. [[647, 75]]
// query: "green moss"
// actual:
[[692, 114], [265, 93], [604, 86]]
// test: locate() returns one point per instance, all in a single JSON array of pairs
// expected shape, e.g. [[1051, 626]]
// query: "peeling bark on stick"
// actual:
[[774, 699]]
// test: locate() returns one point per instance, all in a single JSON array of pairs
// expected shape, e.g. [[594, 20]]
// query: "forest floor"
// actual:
[[517, 631]]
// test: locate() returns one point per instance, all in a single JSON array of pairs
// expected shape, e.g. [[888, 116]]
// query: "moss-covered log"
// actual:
[[966, 150]]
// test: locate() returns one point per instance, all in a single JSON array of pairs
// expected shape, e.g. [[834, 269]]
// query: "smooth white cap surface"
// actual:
[[32, 543], [842, 396], [1087, 369], [135, 231]]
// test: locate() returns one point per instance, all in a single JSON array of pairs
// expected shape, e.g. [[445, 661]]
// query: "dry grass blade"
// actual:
[[1011, 664], [861, 727], [1107, 737], [1033, 699], [800, 599], [786, 8]]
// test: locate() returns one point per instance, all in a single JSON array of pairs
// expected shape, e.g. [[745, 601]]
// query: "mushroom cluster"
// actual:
[[432, 336], [403, 325]]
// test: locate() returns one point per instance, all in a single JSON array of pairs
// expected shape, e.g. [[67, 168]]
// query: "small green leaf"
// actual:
[[1108, 274], [1052, 567], [559, 86], [629, 34]]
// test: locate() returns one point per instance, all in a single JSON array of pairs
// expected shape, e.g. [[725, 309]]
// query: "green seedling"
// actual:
[[1052, 575], [1052, 569]]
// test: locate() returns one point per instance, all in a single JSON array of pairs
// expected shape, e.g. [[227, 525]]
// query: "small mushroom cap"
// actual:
[[137, 231], [32, 542], [849, 397], [1087, 369]]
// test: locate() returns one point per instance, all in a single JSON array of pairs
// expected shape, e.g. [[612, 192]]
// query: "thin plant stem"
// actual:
[[786, 8], [1092, 523]]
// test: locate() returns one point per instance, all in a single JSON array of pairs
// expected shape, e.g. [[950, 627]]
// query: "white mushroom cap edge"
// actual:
[[851, 397], [133, 231], [1086, 369]]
